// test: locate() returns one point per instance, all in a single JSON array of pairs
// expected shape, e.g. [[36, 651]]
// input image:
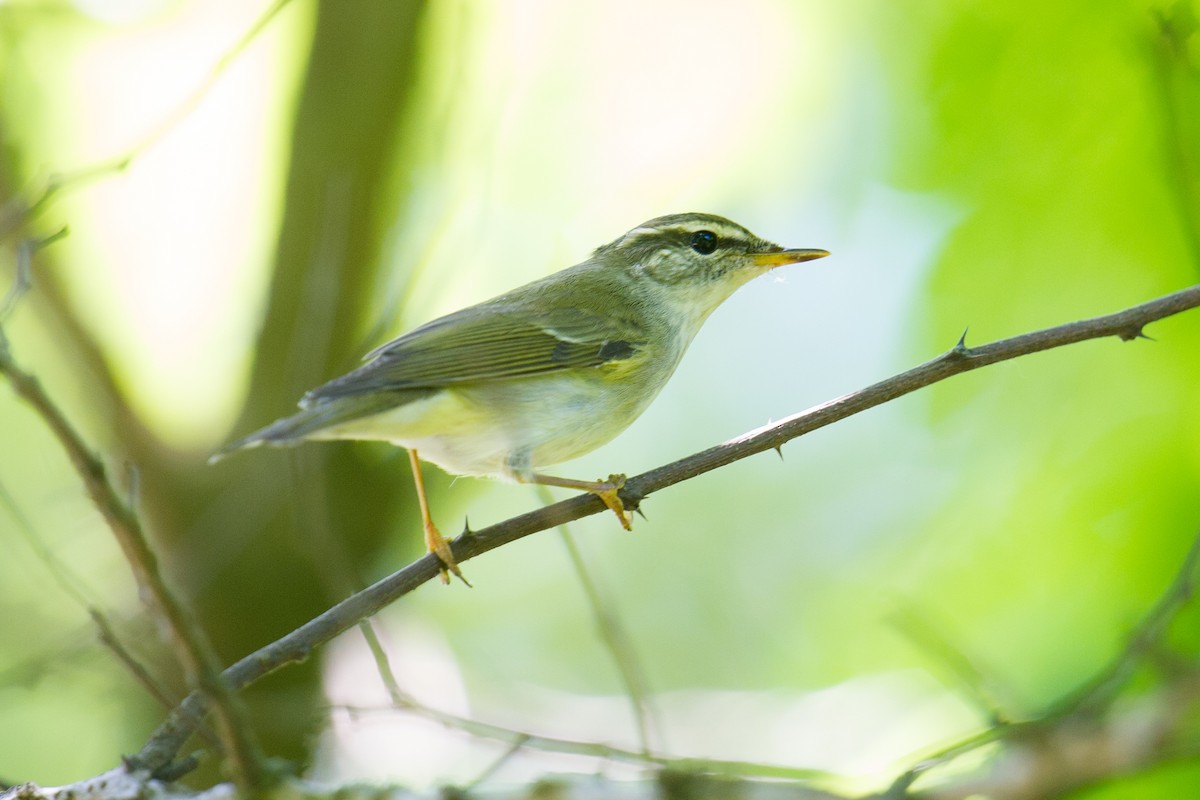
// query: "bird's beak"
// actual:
[[781, 257]]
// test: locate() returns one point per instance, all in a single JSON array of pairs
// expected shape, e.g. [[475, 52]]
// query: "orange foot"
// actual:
[[608, 492], [440, 547]]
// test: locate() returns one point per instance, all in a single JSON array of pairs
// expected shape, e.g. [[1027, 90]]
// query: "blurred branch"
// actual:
[[299, 644], [1069, 741], [1179, 93], [108, 637], [194, 650], [72, 586], [19, 210], [1144, 640], [361, 72], [973, 681], [616, 640], [110, 640], [355, 105], [24, 277], [597, 750], [51, 298], [612, 633], [1066, 749], [120, 784], [190, 104]]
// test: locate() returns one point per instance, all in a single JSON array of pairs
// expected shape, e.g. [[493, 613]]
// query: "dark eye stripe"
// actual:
[[680, 237]]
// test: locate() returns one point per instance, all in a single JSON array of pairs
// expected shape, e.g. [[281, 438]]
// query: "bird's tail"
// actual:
[[309, 422]]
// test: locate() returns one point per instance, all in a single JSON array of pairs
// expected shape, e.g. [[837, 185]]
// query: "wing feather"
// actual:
[[487, 342]]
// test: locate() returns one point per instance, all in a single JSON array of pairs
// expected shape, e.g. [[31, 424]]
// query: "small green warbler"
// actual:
[[545, 373]]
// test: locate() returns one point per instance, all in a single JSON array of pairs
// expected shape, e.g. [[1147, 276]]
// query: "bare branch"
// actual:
[[300, 643], [194, 651]]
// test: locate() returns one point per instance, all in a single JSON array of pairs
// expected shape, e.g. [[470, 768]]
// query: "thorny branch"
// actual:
[[299, 644], [194, 650]]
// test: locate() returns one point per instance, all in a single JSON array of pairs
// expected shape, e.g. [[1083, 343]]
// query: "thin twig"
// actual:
[[598, 750], [491, 769], [970, 678], [108, 637], [298, 644], [60, 573], [18, 211], [194, 651], [383, 665], [72, 587], [612, 632], [1146, 636], [403, 701], [193, 100], [899, 787], [24, 279], [1091, 697]]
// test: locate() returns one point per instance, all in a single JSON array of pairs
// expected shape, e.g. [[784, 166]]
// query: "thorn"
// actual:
[[961, 347], [466, 531], [638, 510], [1130, 334], [779, 450]]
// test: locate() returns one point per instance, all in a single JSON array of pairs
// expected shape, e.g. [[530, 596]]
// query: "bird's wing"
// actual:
[[488, 342]]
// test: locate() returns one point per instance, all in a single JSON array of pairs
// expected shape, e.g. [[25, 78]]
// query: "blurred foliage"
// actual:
[[1057, 136], [366, 166]]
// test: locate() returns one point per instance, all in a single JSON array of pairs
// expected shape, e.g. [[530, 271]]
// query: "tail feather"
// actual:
[[311, 420]]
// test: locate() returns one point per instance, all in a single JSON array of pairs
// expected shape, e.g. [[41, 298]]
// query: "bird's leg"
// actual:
[[434, 541], [605, 490]]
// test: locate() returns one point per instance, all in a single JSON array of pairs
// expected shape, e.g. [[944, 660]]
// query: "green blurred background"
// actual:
[[365, 166]]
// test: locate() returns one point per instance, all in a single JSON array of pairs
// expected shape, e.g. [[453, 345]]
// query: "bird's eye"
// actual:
[[704, 242]]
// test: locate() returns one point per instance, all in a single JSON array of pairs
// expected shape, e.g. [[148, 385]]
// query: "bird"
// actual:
[[544, 373]]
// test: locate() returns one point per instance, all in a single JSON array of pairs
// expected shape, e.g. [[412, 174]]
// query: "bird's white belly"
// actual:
[[504, 428]]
